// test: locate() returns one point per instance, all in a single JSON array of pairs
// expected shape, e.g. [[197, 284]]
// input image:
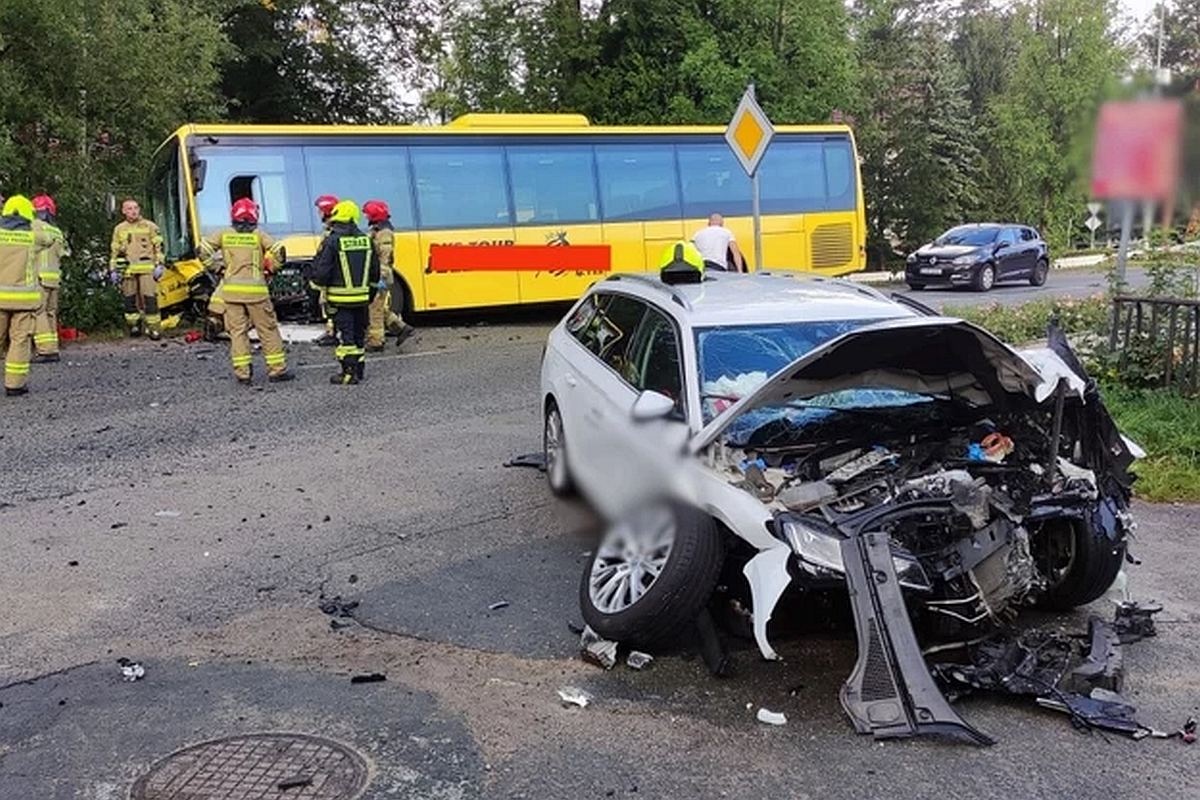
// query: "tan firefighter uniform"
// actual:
[[137, 247], [20, 294], [246, 297], [49, 267], [381, 313]]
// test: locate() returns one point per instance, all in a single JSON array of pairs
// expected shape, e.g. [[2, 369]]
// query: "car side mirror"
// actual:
[[1000, 246], [651, 405]]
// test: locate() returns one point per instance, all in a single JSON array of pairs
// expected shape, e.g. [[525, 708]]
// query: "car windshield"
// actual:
[[734, 360], [968, 236]]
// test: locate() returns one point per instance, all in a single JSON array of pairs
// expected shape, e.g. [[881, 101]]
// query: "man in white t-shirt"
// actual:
[[715, 243]]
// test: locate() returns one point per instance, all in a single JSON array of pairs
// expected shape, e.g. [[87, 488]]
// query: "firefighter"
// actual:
[[382, 318], [325, 204], [248, 256], [347, 269], [21, 247], [45, 335], [137, 264]]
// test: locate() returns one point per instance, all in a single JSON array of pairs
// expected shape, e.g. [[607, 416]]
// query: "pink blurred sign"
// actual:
[[1137, 150]]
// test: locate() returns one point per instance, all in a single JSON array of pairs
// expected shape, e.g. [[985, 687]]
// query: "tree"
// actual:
[[916, 134], [305, 61], [1068, 63]]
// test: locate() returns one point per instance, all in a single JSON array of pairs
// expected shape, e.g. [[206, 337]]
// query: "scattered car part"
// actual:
[[574, 696], [769, 717], [131, 670], [499, 604], [535, 460], [1102, 709], [716, 656], [1103, 666], [638, 660], [890, 692], [1134, 622], [337, 607], [599, 651], [368, 677], [298, 782]]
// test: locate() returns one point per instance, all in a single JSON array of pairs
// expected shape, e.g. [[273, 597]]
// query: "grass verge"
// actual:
[[1167, 426]]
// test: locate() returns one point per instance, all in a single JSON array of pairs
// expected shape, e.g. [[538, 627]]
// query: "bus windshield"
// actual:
[[164, 190]]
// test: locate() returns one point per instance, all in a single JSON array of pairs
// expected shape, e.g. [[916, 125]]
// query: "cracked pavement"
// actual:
[[153, 509]]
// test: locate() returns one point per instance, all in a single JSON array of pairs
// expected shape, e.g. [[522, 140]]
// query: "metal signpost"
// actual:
[[748, 135]]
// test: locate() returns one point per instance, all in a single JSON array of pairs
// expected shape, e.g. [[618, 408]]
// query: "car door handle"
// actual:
[[569, 380]]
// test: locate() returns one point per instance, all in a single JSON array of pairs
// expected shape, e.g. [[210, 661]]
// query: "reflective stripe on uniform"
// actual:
[[275, 359], [24, 295], [241, 361], [16, 367], [45, 338], [341, 351], [233, 288], [348, 292], [138, 269]]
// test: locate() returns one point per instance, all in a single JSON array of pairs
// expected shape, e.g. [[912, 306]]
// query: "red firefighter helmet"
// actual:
[[325, 204], [376, 210], [244, 210], [44, 202]]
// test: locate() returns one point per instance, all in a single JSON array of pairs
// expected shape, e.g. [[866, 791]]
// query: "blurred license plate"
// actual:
[[930, 271]]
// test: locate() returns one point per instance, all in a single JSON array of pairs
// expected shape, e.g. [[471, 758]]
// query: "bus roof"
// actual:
[[474, 124]]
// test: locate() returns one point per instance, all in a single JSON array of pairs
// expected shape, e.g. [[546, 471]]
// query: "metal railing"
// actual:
[[1161, 336]]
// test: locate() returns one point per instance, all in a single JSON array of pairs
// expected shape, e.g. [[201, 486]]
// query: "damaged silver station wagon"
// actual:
[[815, 434]]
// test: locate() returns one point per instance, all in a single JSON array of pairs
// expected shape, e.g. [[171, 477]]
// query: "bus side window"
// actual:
[[268, 192], [638, 181]]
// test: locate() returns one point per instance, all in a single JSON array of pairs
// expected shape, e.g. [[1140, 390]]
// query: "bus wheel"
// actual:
[[399, 299]]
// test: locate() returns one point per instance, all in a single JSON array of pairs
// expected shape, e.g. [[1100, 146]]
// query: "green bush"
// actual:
[[88, 301], [1027, 323]]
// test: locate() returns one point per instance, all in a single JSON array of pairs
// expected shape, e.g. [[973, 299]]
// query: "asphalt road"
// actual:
[[151, 508], [1064, 283]]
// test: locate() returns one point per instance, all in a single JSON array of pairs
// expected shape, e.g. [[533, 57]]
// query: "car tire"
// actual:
[[985, 278], [668, 606], [1040, 271], [1091, 564], [554, 452], [916, 287]]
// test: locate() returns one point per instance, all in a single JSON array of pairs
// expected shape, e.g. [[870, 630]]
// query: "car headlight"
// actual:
[[912, 258], [963, 261], [814, 547], [823, 550]]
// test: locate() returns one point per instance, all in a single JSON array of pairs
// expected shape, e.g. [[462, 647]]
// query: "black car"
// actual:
[[980, 256]]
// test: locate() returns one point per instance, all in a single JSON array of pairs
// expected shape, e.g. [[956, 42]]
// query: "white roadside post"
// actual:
[[748, 135]]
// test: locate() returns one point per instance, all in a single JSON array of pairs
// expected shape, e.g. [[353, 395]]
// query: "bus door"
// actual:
[[561, 242], [466, 225]]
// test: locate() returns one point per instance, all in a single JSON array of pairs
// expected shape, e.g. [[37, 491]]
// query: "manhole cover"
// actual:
[[255, 767]]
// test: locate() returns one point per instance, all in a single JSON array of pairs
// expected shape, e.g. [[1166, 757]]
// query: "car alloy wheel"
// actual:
[[554, 450], [985, 279], [1040, 272], [631, 556]]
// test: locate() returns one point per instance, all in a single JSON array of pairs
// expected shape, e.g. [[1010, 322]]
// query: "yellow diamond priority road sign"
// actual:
[[749, 133]]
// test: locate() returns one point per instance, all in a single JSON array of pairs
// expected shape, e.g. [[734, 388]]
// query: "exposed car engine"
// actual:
[[963, 507]]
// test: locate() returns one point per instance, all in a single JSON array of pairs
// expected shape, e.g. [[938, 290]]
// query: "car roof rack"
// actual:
[[915, 305], [646, 280]]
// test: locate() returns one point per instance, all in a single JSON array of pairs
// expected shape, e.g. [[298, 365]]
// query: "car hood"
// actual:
[[948, 250], [921, 354]]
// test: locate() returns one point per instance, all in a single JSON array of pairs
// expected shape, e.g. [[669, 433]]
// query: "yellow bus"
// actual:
[[504, 209]]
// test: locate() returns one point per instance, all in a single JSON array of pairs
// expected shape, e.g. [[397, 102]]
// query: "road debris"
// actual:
[[638, 660], [769, 717], [131, 670], [535, 460], [368, 677], [596, 650], [337, 607], [499, 604], [574, 696], [297, 782], [1052, 667], [168, 514]]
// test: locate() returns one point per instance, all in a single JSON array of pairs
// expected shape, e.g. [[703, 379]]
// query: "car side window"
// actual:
[[608, 328], [654, 358], [1008, 236], [577, 322]]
